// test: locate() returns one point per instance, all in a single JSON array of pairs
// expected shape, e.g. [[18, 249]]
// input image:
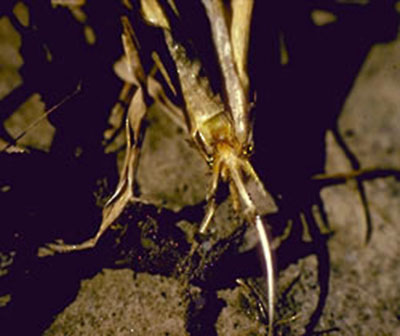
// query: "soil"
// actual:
[[338, 277]]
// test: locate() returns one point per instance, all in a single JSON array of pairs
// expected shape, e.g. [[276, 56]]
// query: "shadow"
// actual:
[[203, 312], [41, 288], [299, 101], [50, 195], [39, 207]]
